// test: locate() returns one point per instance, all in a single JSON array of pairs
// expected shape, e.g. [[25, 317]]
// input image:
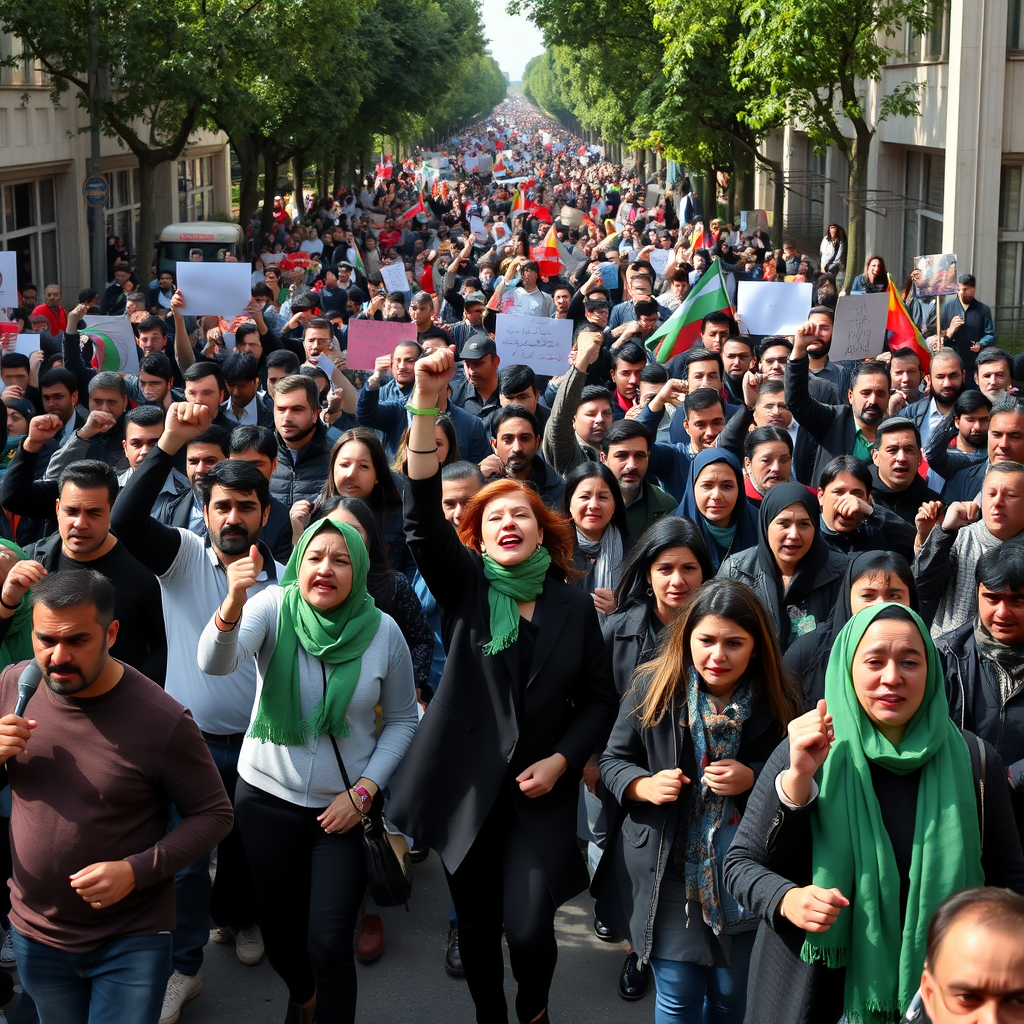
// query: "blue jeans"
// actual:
[[123, 980], [231, 898], [695, 994]]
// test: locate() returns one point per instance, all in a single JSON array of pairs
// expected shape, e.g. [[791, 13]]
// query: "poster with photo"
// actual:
[[935, 275]]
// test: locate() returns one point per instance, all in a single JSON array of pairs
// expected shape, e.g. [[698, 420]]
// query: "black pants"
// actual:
[[500, 883], [310, 886]]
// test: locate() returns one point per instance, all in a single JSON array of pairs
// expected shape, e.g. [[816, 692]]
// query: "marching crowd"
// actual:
[[730, 634]]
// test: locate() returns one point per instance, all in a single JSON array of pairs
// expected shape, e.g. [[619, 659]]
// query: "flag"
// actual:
[[699, 239], [518, 205], [682, 328], [360, 265], [420, 207], [546, 254], [903, 332]]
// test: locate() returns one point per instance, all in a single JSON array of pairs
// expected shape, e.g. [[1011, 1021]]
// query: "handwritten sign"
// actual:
[[114, 340], [9, 279], [394, 277], [540, 342], [771, 307], [859, 330], [214, 289], [368, 339], [660, 259], [935, 275]]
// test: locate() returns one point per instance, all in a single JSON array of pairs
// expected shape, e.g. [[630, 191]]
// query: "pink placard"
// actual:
[[368, 339]]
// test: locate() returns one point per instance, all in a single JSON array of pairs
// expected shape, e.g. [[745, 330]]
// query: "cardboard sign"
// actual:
[[540, 342], [214, 289], [772, 307], [9, 279], [368, 339], [859, 329], [935, 275], [393, 275]]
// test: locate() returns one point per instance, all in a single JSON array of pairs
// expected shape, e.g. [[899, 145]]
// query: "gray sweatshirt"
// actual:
[[308, 775]]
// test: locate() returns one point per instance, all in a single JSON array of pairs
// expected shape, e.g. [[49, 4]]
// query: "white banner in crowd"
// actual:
[[773, 307], [540, 342], [9, 279], [214, 289]]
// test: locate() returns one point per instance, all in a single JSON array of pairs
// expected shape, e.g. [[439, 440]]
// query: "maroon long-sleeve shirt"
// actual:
[[96, 784]]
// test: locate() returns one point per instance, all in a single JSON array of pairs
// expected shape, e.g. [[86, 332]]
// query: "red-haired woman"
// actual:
[[491, 780]]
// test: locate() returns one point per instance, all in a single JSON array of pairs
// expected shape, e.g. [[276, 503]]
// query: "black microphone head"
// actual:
[[28, 683]]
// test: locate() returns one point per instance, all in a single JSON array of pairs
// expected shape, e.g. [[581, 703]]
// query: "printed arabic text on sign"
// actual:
[[368, 339]]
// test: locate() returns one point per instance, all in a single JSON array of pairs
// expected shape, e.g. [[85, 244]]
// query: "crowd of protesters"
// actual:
[[733, 639]]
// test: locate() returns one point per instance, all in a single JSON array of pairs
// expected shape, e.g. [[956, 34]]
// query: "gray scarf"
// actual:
[[1007, 660], [608, 554]]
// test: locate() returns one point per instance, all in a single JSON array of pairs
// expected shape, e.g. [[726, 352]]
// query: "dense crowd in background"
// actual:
[[729, 633]]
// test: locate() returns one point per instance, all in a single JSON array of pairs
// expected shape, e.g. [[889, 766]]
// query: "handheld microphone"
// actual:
[[27, 685]]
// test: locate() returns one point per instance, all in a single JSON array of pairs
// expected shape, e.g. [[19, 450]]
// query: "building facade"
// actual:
[[949, 180], [44, 162]]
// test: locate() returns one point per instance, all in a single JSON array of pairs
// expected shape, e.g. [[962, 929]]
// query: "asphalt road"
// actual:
[[408, 985]]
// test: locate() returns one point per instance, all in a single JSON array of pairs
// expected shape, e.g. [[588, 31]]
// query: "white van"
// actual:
[[213, 239]]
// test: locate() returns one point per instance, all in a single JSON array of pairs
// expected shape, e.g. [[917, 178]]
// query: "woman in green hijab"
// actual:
[[326, 658], [874, 810]]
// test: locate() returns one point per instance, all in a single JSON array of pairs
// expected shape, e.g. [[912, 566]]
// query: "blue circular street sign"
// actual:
[[96, 190]]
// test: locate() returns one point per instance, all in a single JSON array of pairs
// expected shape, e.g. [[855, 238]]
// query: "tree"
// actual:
[[815, 57]]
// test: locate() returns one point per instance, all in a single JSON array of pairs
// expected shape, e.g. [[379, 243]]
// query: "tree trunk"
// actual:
[[860, 149], [269, 189], [778, 203], [248, 188], [742, 179], [298, 172], [147, 221], [710, 197], [339, 173]]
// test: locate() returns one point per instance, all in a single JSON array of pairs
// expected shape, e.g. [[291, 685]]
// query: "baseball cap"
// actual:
[[477, 297], [477, 346]]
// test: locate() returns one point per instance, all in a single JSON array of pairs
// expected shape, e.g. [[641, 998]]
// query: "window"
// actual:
[[1015, 25], [922, 224], [123, 204], [1009, 313], [932, 45], [28, 227], [195, 188]]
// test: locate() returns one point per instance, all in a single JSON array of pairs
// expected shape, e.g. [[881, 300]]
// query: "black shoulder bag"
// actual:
[[388, 867]]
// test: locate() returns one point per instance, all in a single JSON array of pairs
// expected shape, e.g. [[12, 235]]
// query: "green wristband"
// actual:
[[422, 412]]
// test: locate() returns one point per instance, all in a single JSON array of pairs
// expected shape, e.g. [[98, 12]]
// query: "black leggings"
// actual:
[[500, 882], [310, 886]]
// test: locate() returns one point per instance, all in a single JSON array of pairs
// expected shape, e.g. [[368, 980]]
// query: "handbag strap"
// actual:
[[334, 742]]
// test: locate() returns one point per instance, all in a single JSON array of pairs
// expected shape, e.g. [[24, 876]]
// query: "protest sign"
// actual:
[[368, 339], [660, 259], [394, 277], [609, 274], [771, 307], [114, 341], [859, 329], [540, 342], [9, 279], [935, 275], [26, 344], [214, 289]]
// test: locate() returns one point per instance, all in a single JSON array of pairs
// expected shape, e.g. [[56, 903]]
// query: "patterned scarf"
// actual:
[[716, 737]]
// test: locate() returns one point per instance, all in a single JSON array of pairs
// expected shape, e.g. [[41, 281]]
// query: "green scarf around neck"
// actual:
[[17, 643], [851, 850], [337, 637], [508, 586]]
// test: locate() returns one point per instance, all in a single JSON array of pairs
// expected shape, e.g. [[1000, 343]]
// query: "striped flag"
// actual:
[[547, 255], [903, 332], [679, 332]]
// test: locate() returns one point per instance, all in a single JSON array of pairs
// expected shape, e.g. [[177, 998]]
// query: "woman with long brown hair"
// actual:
[[691, 734], [491, 779]]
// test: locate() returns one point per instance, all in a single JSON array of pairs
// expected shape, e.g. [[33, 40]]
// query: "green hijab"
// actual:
[[508, 585], [337, 637], [852, 851], [17, 642]]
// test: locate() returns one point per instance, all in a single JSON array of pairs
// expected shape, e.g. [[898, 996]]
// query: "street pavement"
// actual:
[[408, 985]]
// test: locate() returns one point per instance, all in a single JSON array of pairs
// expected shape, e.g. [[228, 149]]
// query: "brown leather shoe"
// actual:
[[370, 944]]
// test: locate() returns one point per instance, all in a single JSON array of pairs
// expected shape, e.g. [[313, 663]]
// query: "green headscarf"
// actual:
[[338, 637], [509, 585], [17, 642], [852, 852]]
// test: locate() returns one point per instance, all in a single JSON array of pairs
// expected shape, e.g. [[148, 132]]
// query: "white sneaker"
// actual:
[[249, 945], [180, 989], [7, 958]]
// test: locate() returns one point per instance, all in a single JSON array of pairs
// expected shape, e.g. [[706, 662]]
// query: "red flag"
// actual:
[[538, 211], [420, 207], [904, 333]]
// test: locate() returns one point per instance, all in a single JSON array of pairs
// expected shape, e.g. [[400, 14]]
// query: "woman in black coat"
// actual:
[[690, 739], [792, 569], [491, 779], [860, 824]]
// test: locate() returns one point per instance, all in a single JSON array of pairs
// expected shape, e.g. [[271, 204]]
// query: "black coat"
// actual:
[[819, 602], [636, 853], [771, 854], [631, 640], [483, 727], [300, 476], [975, 703], [903, 503]]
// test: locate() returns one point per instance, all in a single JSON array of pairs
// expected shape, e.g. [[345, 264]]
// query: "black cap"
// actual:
[[477, 346]]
